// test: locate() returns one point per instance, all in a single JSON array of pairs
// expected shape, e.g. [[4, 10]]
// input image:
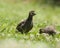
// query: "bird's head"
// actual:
[[41, 31], [32, 13]]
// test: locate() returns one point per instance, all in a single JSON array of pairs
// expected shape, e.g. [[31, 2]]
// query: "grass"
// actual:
[[12, 12]]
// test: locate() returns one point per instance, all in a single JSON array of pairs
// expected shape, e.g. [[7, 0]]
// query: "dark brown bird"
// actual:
[[48, 30], [26, 25]]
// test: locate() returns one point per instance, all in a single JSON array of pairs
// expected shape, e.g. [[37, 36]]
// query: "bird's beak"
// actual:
[[34, 13]]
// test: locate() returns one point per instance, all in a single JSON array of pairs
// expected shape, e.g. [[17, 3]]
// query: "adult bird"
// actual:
[[26, 25]]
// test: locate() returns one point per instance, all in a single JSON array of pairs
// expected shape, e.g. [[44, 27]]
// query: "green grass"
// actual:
[[11, 13]]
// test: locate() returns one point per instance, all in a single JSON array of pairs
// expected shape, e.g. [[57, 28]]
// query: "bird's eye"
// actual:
[[31, 13]]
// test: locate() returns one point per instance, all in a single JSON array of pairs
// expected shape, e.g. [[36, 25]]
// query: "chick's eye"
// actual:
[[31, 13]]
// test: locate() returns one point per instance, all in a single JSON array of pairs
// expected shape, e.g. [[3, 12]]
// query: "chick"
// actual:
[[26, 25], [48, 30]]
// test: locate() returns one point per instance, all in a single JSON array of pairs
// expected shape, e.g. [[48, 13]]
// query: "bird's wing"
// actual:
[[21, 23]]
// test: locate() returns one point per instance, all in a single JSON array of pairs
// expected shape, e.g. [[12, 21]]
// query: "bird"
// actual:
[[26, 25], [48, 30]]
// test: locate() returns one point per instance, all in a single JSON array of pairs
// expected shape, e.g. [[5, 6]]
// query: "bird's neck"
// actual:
[[30, 18]]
